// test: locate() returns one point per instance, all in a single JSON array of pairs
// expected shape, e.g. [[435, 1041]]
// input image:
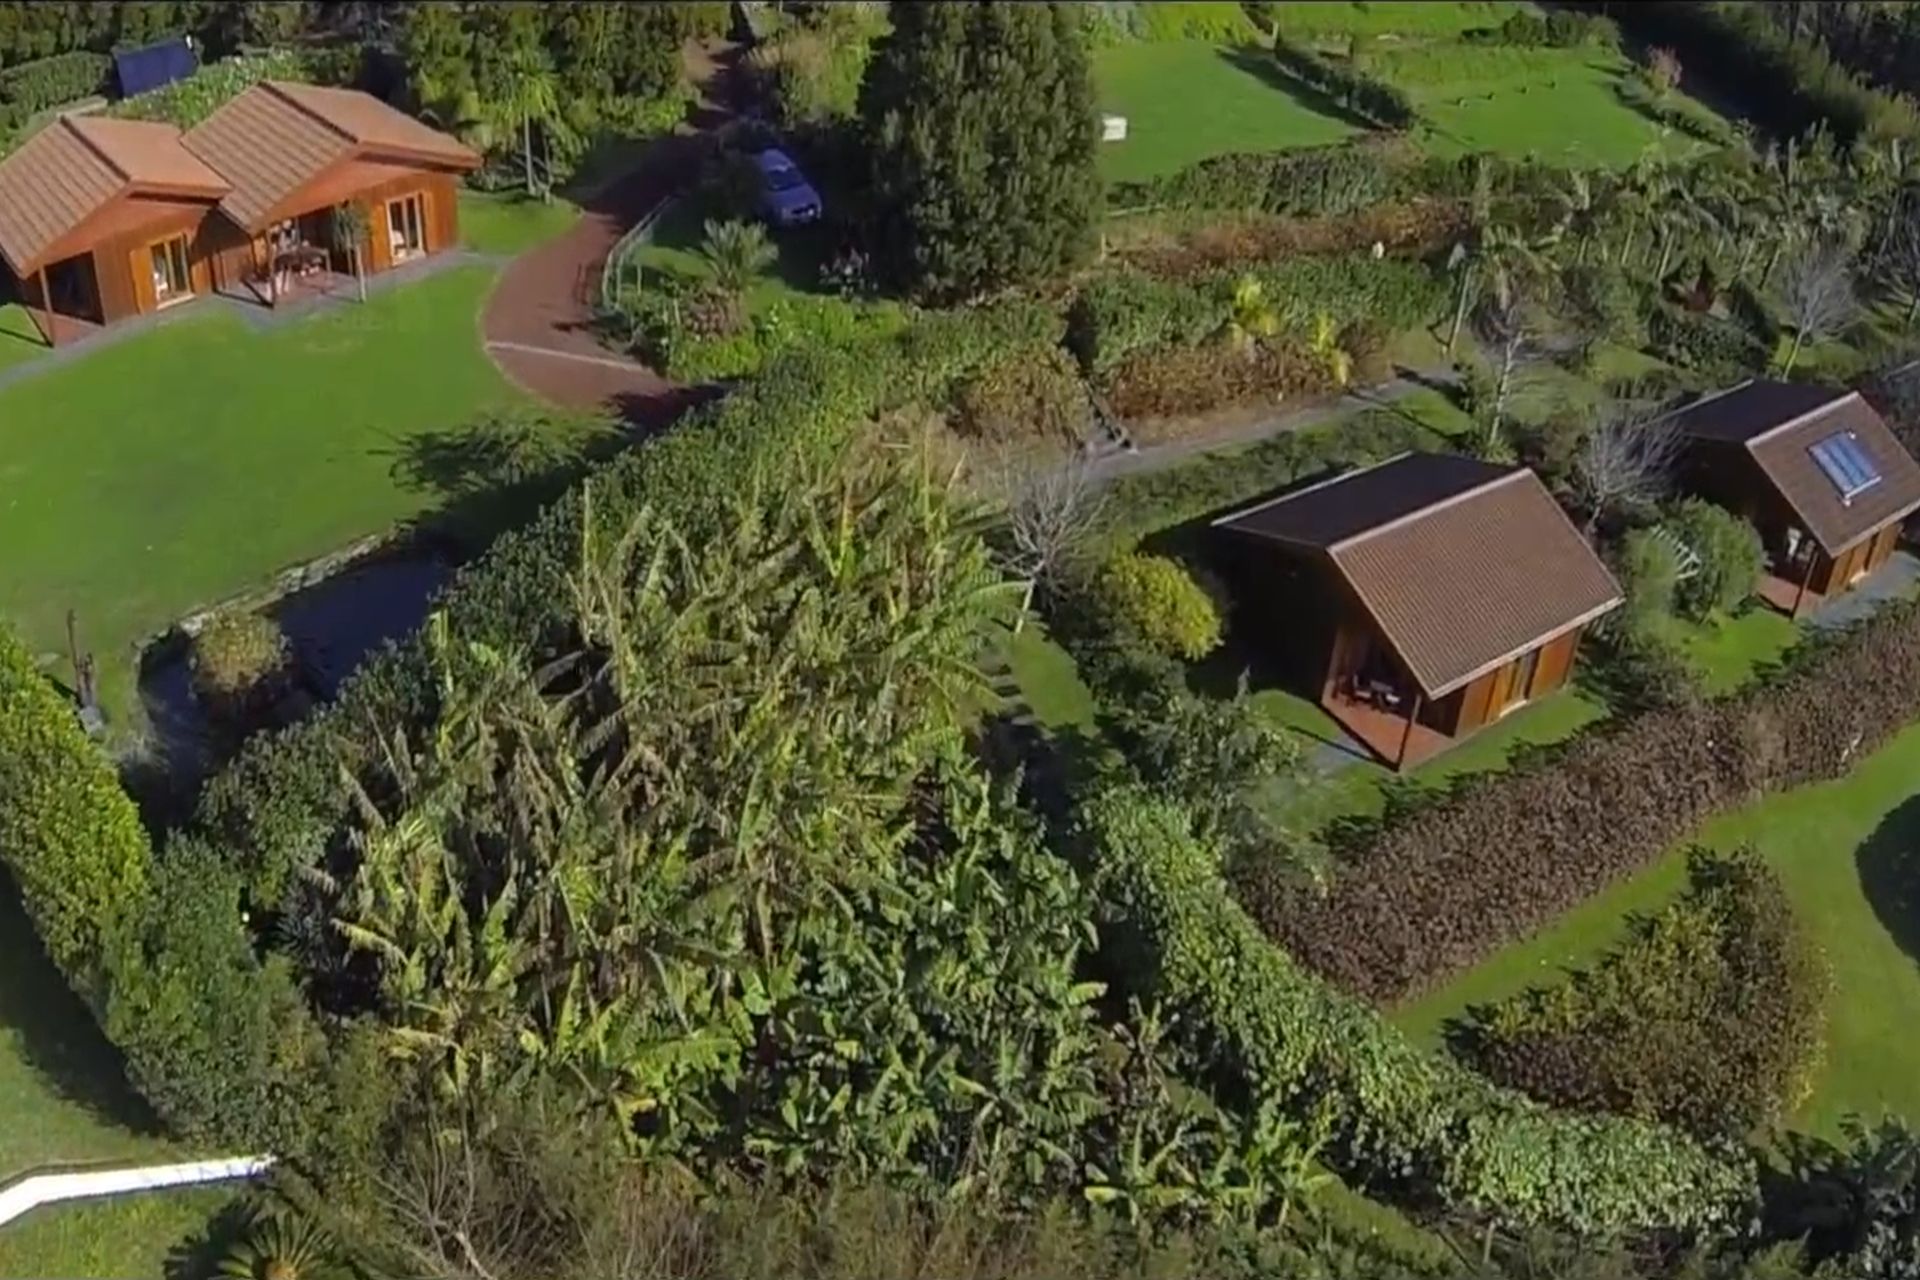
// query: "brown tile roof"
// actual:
[[1461, 564], [276, 137], [1778, 424], [75, 167]]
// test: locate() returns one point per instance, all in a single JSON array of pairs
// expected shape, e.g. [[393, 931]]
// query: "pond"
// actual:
[[332, 627]]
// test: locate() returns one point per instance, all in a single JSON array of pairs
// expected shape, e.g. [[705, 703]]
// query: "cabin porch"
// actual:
[[1386, 722]]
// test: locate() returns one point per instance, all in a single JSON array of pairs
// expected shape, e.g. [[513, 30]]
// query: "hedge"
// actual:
[[1338, 178], [1444, 886], [68, 834], [1707, 1016], [1362, 94], [55, 81], [1272, 1034]]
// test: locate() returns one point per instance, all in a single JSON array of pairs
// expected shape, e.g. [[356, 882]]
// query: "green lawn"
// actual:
[[1391, 17], [674, 249], [1187, 99], [507, 223], [1727, 651], [20, 340], [1849, 852], [172, 469], [64, 1099]]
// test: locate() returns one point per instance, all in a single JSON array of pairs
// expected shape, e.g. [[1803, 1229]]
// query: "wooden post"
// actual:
[[1813, 556], [1413, 713], [46, 305]]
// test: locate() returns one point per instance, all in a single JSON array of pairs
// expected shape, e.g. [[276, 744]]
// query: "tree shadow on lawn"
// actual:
[[1889, 866], [57, 1035], [1259, 63]]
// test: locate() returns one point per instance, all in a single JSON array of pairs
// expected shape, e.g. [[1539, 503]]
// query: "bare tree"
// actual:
[[1051, 506], [1819, 296], [1624, 460], [1510, 330]]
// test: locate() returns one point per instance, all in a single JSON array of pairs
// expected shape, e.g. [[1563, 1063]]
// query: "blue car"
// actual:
[[786, 197]]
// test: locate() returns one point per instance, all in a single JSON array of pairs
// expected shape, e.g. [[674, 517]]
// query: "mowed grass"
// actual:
[[64, 1099], [1185, 100], [1561, 106], [178, 467], [507, 223], [20, 340], [1849, 853]]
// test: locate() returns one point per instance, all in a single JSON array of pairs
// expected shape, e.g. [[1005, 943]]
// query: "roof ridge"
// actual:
[[1290, 494], [73, 127], [1823, 407], [278, 88], [1421, 513]]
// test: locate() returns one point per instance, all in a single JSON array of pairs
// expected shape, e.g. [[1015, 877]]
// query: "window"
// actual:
[[406, 227], [171, 279], [1846, 464], [1520, 680]]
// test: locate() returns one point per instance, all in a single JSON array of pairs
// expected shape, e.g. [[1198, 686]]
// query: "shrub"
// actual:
[[1182, 382], [239, 658], [69, 837], [1156, 600], [1035, 394], [1708, 1016], [187, 102], [1340, 178], [1649, 570], [1375, 100], [1599, 299], [54, 82], [1440, 887], [1561, 29], [1718, 349], [1731, 557], [1267, 1032], [1120, 312], [1218, 21]]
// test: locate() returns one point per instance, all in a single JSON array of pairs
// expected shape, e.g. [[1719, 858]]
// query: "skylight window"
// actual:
[[1846, 464]]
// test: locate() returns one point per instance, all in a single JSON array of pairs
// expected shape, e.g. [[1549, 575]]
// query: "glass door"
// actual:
[[172, 281], [406, 227]]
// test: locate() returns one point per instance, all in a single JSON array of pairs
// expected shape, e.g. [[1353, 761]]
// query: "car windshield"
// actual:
[[784, 179]]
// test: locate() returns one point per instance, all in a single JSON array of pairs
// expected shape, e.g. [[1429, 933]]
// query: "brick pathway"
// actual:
[[538, 323]]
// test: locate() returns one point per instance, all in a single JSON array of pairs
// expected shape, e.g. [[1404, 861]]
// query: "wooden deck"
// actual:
[[1784, 593], [1383, 732]]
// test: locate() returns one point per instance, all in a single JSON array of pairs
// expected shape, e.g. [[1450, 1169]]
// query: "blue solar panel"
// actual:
[[1846, 464], [141, 70]]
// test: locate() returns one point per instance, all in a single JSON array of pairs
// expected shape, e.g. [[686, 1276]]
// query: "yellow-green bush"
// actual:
[[1157, 600]]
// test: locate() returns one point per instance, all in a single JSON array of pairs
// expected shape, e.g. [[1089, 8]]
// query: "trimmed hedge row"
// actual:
[[1707, 1016], [68, 834], [1339, 178], [1270, 1031], [1444, 886], [1362, 94], [54, 82]]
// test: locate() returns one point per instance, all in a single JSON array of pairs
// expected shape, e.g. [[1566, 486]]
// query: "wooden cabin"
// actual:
[[1816, 471], [1418, 600], [104, 219]]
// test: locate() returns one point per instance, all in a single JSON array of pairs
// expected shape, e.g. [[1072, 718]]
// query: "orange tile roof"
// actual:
[[1462, 565], [277, 137], [75, 167]]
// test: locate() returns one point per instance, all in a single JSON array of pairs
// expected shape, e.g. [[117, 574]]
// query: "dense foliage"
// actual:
[[1271, 1033], [1159, 604], [1730, 557], [1707, 1016], [53, 82], [1791, 85], [1440, 887], [981, 132], [187, 102], [1303, 182], [69, 837]]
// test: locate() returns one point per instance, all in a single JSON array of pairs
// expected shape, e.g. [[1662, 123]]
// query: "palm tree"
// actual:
[[350, 223], [531, 94], [736, 252], [282, 1248], [1500, 257]]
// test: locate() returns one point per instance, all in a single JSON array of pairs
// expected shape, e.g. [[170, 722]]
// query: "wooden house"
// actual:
[[104, 219], [1419, 600], [1816, 471]]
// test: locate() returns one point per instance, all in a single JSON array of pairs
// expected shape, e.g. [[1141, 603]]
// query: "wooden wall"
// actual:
[[1833, 576], [1475, 703]]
